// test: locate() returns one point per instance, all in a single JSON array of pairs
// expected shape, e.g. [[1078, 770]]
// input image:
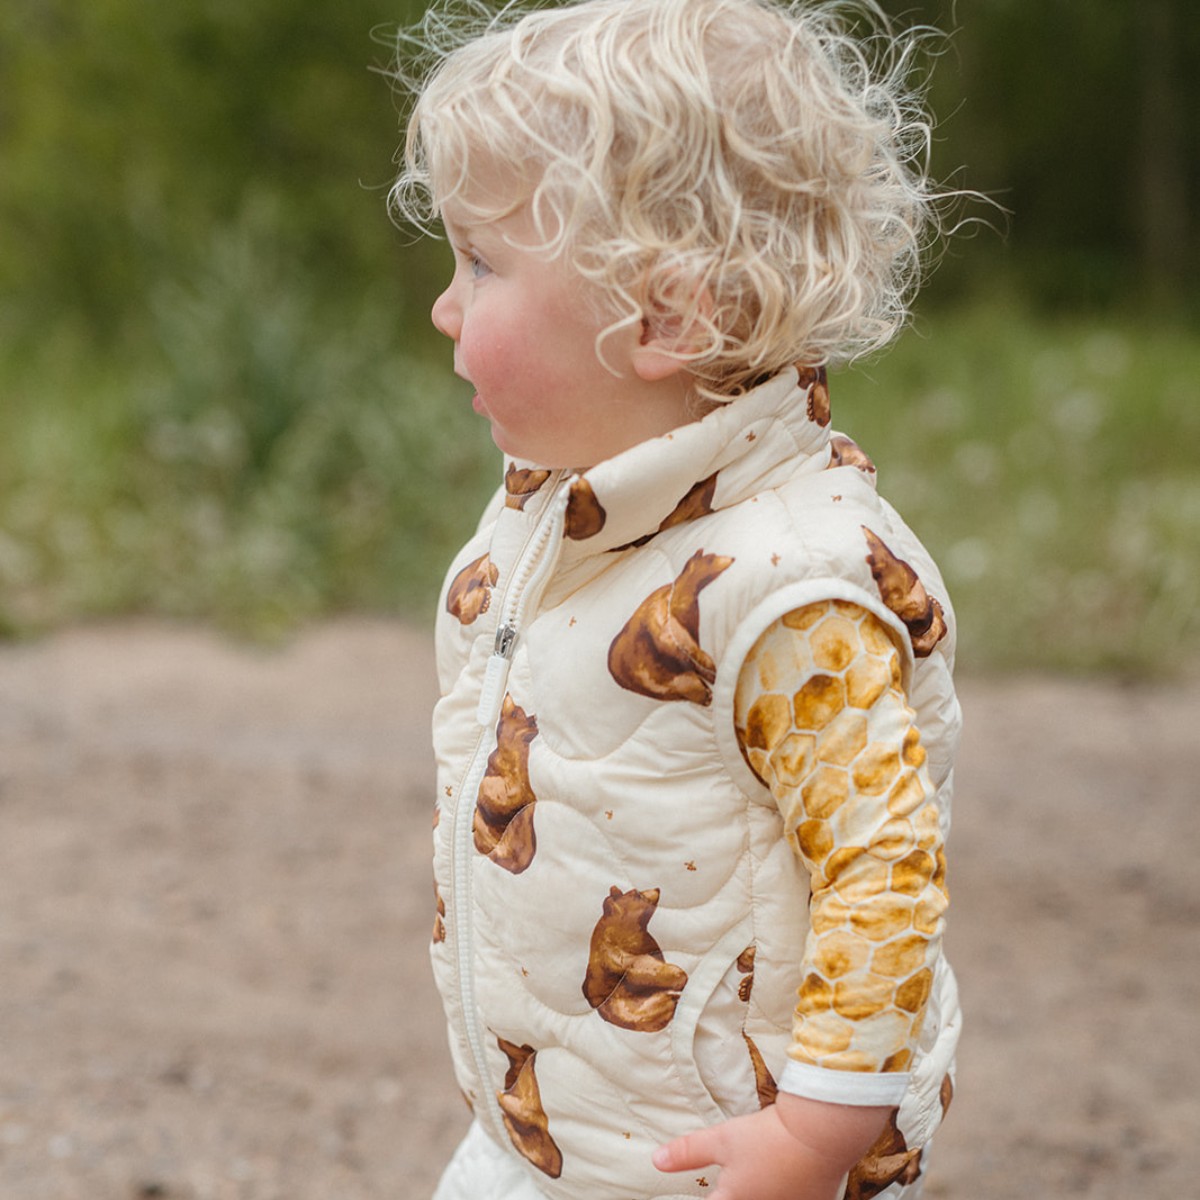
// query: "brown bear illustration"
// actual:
[[585, 514], [439, 920], [745, 964], [764, 1081], [520, 483], [905, 595], [504, 809], [628, 982], [845, 452], [817, 382], [696, 502], [522, 1111], [946, 1094], [888, 1161], [657, 653], [471, 592]]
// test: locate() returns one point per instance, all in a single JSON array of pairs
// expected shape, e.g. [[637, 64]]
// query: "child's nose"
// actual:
[[447, 315]]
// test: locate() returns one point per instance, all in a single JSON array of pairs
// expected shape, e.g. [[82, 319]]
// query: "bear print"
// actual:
[[817, 382], [696, 502], [628, 982], [520, 483], [903, 593], [471, 592], [845, 452], [504, 808], [522, 1112], [439, 920], [657, 653], [764, 1081], [873, 1174], [745, 964], [888, 1161], [585, 514], [946, 1094]]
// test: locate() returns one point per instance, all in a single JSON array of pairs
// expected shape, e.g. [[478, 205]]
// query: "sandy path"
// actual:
[[215, 902]]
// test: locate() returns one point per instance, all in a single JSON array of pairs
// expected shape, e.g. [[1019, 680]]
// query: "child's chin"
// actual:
[[507, 445]]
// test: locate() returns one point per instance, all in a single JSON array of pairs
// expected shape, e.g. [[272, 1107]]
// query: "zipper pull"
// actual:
[[495, 675]]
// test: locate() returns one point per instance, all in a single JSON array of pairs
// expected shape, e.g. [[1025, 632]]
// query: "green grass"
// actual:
[[1051, 466], [257, 460]]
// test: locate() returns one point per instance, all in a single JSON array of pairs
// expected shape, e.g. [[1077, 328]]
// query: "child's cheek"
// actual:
[[497, 361]]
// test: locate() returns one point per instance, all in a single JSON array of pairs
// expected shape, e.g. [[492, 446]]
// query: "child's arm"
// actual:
[[823, 720]]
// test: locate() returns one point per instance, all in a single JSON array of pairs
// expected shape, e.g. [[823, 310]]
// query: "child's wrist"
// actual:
[[837, 1133]]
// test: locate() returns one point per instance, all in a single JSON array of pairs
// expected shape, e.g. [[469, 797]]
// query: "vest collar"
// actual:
[[753, 443]]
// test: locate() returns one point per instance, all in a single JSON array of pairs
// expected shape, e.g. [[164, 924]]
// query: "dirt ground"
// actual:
[[215, 905]]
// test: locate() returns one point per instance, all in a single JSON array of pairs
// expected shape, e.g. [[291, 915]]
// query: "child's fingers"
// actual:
[[686, 1153]]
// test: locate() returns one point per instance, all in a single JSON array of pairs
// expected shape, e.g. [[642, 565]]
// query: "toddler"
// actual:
[[697, 722]]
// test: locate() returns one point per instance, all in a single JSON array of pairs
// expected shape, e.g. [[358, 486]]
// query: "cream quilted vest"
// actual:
[[611, 876]]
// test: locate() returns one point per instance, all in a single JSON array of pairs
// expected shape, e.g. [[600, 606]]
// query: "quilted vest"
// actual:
[[621, 920]]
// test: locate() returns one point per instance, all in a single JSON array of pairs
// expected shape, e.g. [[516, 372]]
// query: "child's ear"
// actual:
[[670, 339], [652, 357]]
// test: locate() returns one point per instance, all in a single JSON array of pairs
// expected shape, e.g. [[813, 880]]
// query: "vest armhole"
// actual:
[[751, 628]]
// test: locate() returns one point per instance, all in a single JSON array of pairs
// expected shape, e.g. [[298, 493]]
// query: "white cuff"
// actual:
[[864, 1088]]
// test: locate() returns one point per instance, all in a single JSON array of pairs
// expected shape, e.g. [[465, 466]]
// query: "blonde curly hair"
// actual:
[[745, 170]]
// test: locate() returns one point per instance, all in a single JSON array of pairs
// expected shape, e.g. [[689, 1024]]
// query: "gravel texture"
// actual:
[[215, 902]]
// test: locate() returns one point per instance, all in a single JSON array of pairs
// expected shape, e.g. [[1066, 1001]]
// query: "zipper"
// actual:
[[495, 675], [534, 564], [535, 561]]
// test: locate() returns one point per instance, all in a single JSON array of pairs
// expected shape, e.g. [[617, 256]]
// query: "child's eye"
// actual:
[[470, 258]]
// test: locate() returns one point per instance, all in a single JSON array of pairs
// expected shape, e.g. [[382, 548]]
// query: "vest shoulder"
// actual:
[[813, 523], [826, 536]]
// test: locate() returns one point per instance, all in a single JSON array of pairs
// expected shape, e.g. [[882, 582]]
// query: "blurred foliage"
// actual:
[[1050, 465], [129, 130], [220, 397], [270, 469], [266, 465]]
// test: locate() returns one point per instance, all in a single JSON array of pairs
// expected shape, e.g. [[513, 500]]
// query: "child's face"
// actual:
[[524, 333]]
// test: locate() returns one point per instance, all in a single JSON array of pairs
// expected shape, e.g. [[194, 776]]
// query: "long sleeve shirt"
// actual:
[[823, 720]]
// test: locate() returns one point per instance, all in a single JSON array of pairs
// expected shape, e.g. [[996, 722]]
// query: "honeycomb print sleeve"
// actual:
[[823, 720]]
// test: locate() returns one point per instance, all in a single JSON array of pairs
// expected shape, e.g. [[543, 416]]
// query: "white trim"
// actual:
[[862, 1088]]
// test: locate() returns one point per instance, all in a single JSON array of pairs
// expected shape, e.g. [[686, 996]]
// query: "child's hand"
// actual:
[[796, 1149]]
